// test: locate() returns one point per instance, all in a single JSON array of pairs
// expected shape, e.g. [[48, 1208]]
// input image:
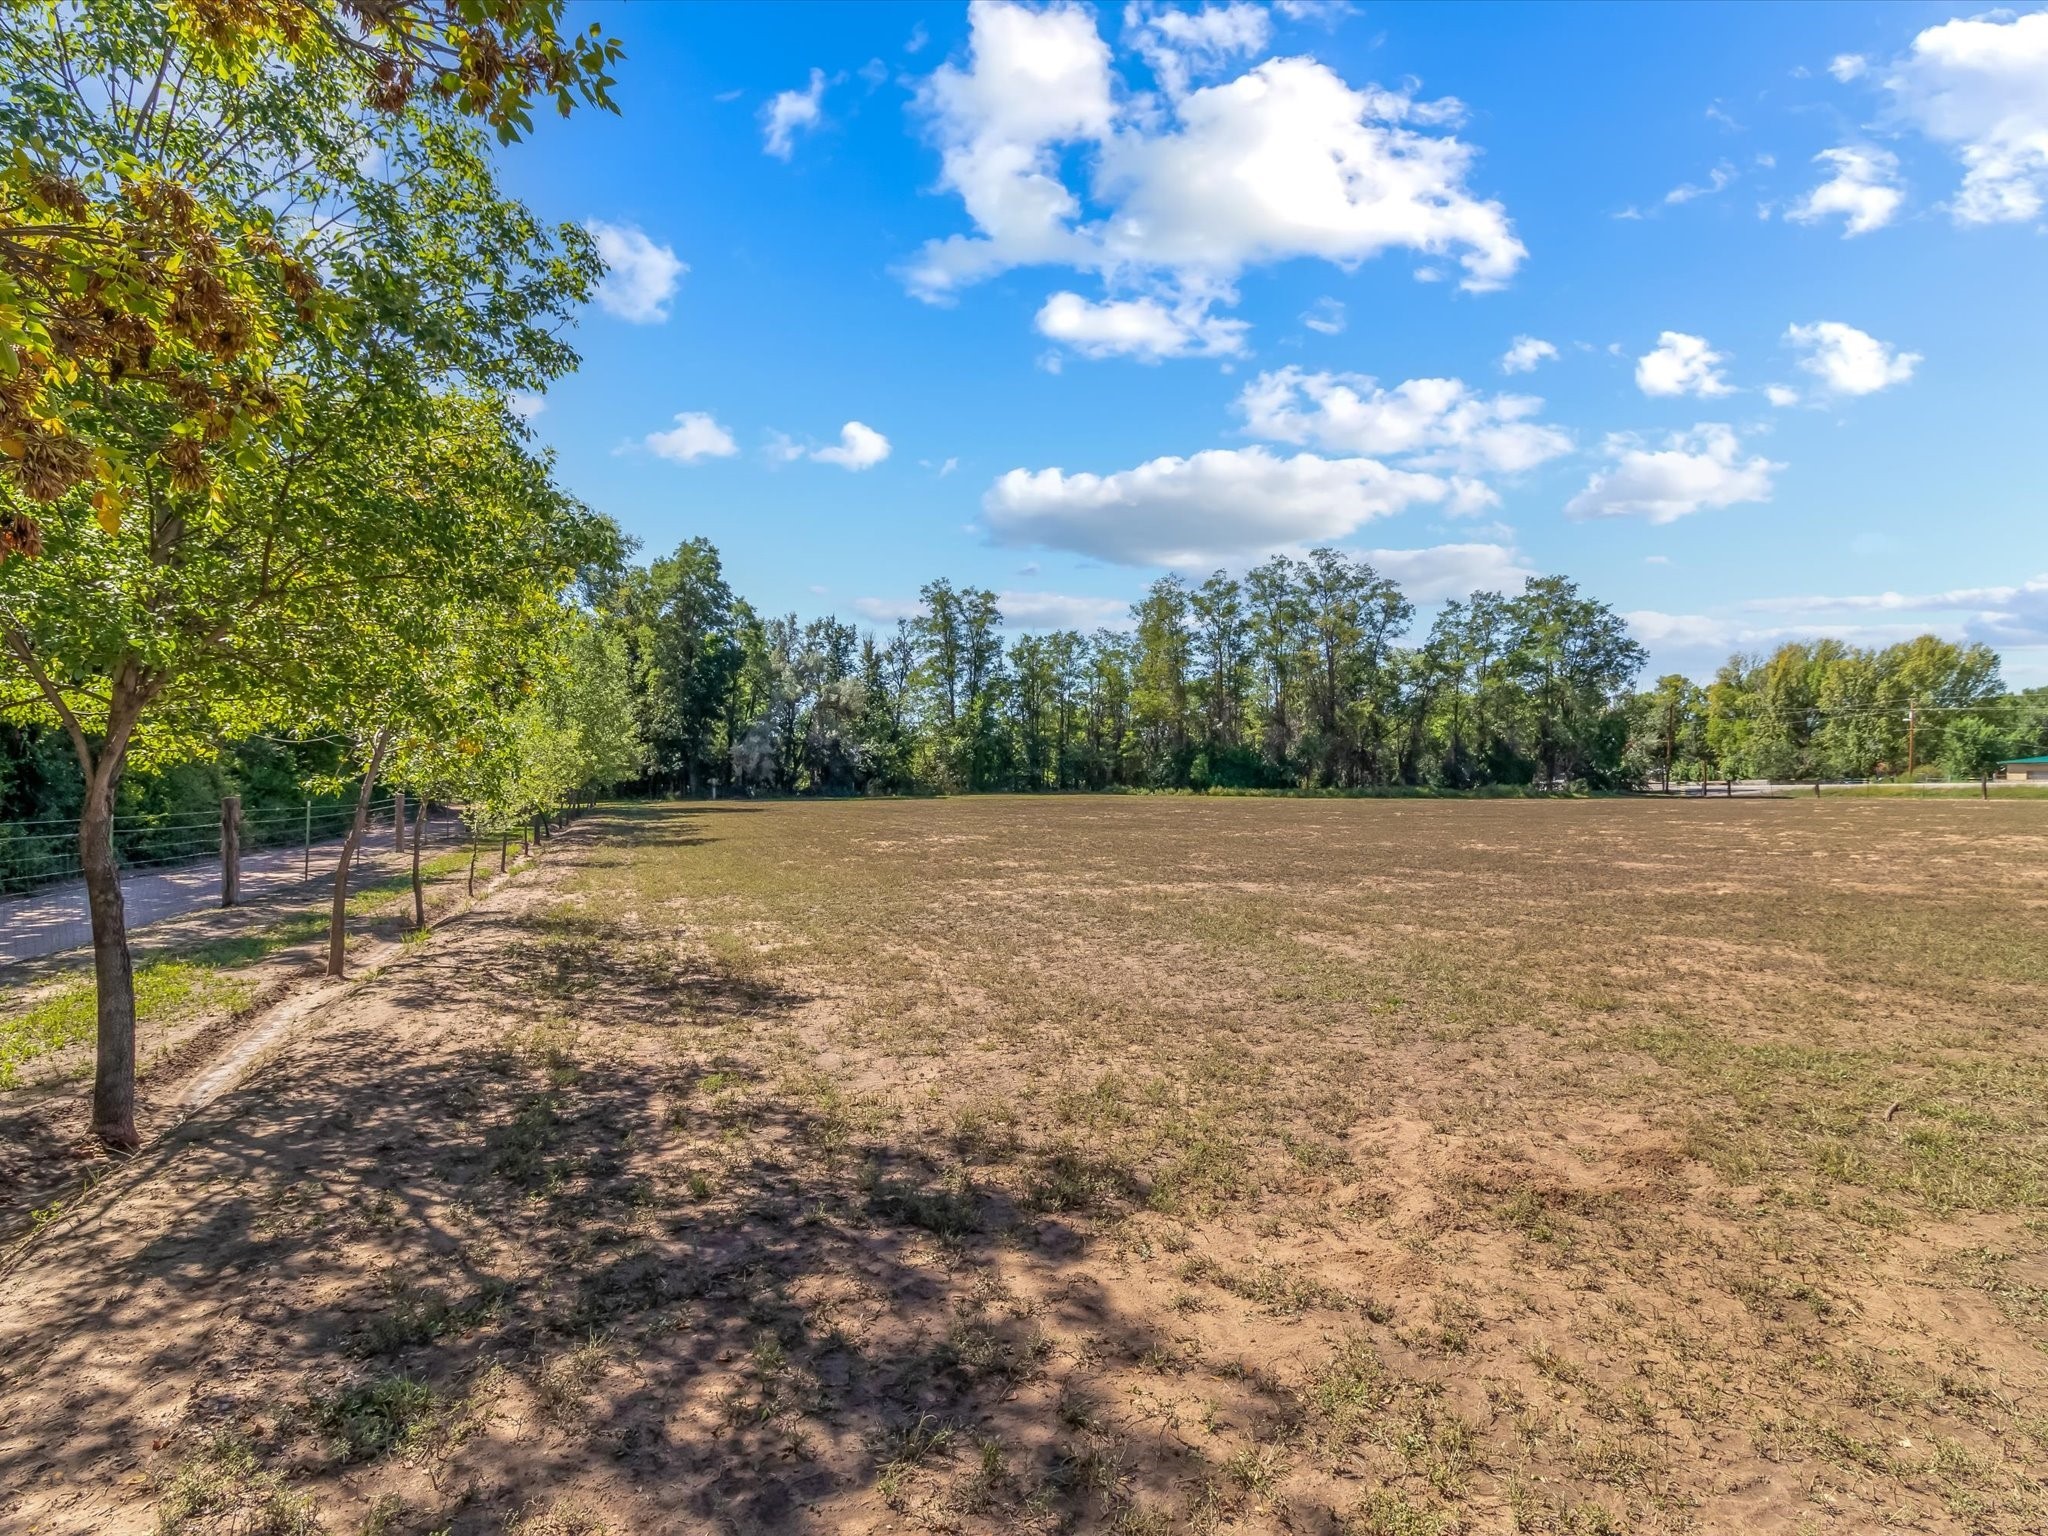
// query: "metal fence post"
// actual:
[[230, 849]]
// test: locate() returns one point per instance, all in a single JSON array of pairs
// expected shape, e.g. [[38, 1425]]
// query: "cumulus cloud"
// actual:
[[1205, 510], [525, 404], [859, 447], [1433, 423], [1703, 468], [1848, 66], [1145, 328], [1848, 361], [694, 436], [1681, 365], [789, 113], [1181, 44], [1186, 189], [1981, 85], [1863, 188], [1781, 394], [640, 275], [1525, 354]]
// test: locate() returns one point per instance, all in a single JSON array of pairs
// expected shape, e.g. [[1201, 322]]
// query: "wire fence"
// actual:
[[173, 866]]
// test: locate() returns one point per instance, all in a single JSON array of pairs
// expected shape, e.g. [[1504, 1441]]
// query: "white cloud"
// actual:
[[1290, 161], [859, 447], [2004, 616], [525, 404], [1181, 44], [1451, 570], [2001, 615], [1328, 12], [1057, 610], [1201, 511], [1434, 423], [1849, 361], [1703, 468], [694, 436], [1146, 328], [640, 276], [1848, 66], [1717, 180], [789, 112], [1864, 189], [1781, 394], [1681, 365], [1186, 190], [1525, 354], [1033, 612], [1326, 316], [1982, 85]]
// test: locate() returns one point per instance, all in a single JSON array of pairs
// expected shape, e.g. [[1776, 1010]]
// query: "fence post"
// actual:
[[230, 849], [398, 820], [504, 847], [308, 871]]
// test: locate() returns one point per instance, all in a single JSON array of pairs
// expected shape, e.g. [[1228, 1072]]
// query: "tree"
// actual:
[[1972, 748], [286, 538], [150, 256]]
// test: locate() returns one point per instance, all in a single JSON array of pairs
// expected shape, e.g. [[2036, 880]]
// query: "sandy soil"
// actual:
[[1108, 1165]]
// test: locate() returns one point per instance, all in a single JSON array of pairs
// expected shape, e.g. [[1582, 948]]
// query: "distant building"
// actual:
[[2022, 770]]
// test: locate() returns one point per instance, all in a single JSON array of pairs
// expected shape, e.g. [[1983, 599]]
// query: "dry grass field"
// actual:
[[1134, 1165]]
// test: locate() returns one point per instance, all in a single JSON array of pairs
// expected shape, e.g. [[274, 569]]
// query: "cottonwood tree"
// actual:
[[270, 533]]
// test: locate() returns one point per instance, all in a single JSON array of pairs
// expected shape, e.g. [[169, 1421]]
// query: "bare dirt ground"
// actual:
[[1110, 1164]]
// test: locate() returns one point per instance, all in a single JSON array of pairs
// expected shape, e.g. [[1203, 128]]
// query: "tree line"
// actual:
[[1925, 708], [1306, 673]]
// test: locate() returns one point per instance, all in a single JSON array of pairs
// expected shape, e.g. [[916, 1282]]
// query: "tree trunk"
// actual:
[[113, 1087], [419, 900], [337, 928]]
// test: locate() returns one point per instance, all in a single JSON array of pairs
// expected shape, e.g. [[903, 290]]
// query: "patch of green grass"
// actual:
[[166, 989], [222, 1487], [373, 1418], [185, 981]]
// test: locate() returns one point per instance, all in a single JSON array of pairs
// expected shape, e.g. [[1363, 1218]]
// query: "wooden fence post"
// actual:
[[230, 849]]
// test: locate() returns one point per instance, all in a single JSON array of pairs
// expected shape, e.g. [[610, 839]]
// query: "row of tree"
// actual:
[[1305, 673], [1924, 708], [262, 306], [1300, 674]]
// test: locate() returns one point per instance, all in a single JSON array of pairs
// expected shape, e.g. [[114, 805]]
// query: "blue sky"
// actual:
[[1052, 299]]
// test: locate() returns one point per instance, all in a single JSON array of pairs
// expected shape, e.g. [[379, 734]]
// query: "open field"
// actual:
[[1110, 1164]]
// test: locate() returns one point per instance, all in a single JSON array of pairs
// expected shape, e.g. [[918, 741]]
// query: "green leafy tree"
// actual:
[[1972, 748], [239, 568]]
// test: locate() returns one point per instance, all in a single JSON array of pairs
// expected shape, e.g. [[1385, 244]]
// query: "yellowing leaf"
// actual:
[[106, 508]]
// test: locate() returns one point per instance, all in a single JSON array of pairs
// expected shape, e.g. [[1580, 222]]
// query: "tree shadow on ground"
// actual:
[[525, 1201]]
